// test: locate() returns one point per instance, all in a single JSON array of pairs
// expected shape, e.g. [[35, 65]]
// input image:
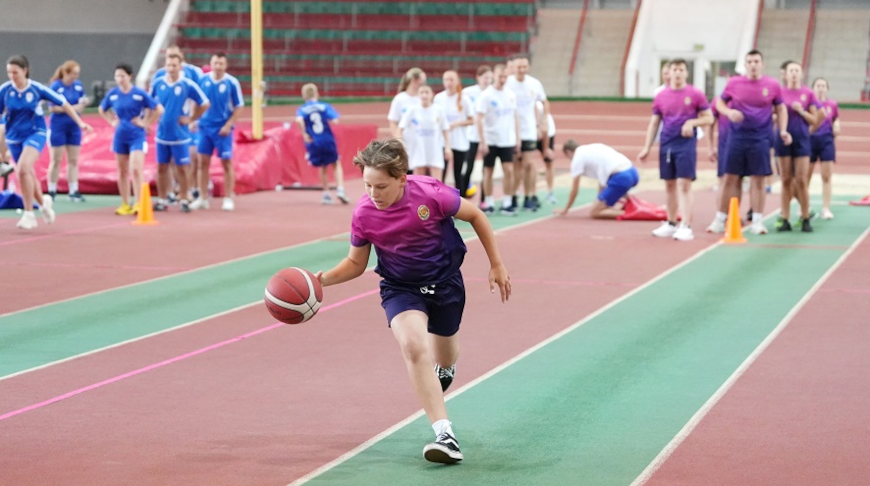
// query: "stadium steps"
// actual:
[[599, 61], [553, 48], [840, 51], [781, 37]]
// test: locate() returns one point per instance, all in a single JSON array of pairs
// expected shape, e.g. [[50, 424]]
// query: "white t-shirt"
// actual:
[[551, 123], [423, 131], [472, 93], [498, 108], [401, 103], [448, 103], [528, 92], [598, 161]]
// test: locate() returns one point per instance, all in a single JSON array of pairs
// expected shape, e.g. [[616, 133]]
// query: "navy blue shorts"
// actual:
[[822, 148], [618, 185], [69, 134], [36, 140], [321, 155], [443, 302], [748, 157], [722, 157], [800, 147], [678, 161]]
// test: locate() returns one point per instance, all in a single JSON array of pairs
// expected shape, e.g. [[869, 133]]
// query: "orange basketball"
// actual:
[[293, 295]]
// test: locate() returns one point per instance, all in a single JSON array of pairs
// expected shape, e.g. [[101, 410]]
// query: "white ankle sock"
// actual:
[[442, 426], [490, 201], [73, 187], [757, 217], [506, 201]]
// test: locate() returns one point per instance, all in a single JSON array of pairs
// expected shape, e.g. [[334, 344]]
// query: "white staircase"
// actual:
[[782, 37], [602, 48], [557, 29], [840, 51]]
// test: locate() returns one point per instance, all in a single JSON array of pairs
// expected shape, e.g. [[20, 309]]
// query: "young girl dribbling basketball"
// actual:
[[409, 221]]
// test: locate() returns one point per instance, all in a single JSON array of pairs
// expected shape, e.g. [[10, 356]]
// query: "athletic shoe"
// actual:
[[444, 450], [47, 208], [6, 168], [487, 209], [228, 204], [445, 375], [827, 214], [684, 233], [171, 198], [159, 206], [326, 199], [551, 198], [783, 225], [813, 215], [716, 226], [536, 202], [342, 197], [194, 194], [185, 206], [805, 226], [76, 197], [529, 205], [125, 210], [27, 221], [666, 230], [749, 215], [199, 203], [779, 223], [758, 228], [53, 194], [508, 211]]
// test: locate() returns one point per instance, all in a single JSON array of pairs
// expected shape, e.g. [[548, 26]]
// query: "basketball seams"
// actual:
[[290, 289]]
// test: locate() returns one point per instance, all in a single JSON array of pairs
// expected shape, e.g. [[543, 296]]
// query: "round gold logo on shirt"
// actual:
[[764, 92], [423, 212], [687, 101], [803, 97]]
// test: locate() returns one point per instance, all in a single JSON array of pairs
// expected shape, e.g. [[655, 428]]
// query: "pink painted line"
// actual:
[[161, 364], [561, 282], [63, 233]]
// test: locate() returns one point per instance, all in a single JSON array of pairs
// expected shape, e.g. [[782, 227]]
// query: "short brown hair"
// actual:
[[569, 145], [387, 155], [678, 61], [483, 69], [174, 56]]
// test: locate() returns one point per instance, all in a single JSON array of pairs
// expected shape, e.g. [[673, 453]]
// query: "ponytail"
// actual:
[[64, 68], [413, 73]]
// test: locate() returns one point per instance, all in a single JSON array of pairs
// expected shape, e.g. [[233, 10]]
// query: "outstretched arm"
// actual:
[[575, 188], [498, 274]]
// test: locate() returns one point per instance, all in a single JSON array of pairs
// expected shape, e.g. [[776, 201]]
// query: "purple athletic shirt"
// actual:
[[723, 122], [797, 126], [755, 99], [676, 107], [415, 239], [832, 112]]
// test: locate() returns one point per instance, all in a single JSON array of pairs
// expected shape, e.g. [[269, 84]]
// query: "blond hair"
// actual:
[[414, 73], [309, 91], [387, 155], [65, 68]]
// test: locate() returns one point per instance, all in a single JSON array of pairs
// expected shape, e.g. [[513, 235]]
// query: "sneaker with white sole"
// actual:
[[6, 168], [551, 198], [342, 197], [716, 226], [684, 233], [27, 221], [48, 209], [199, 203], [444, 450], [827, 214], [185, 205], [758, 228], [445, 376], [228, 204], [326, 199], [76, 197], [666, 230]]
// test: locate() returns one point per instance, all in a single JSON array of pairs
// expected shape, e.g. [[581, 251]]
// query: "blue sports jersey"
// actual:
[[225, 96], [128, 106], [317, 115], [73, 93], [189, 70], [23, 113], [177, 99]]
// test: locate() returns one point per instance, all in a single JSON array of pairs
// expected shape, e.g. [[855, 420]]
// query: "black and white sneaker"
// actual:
[[445, 376], [6, 168], [444, 450]]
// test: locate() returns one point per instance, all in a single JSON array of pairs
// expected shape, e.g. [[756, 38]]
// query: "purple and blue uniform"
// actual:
[[797, 126], [224, 96], [177, 99], [25, 120], [63, 129], [822, 140], [127, 106], [322, 150], [419, 252], [678, 154], [724, 128], [749, 141]]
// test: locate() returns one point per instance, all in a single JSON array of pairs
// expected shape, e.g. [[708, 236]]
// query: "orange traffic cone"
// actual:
[[145, 214], [733, 228]]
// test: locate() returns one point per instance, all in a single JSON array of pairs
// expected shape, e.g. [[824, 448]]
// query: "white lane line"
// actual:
[[693, 422]]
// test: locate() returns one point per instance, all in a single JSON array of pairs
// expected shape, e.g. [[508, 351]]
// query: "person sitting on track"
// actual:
[[409, 221], [614, 172]]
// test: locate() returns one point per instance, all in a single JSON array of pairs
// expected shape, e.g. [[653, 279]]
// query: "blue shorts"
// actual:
[[69, 134], [822, 148], [678, 161], [194, 138], [37, 141], [723, 156], [800, 147], [618, 185], [127, 142], [443, 303], [321, 155], [180, 153], [748, 157], [211, 140]]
